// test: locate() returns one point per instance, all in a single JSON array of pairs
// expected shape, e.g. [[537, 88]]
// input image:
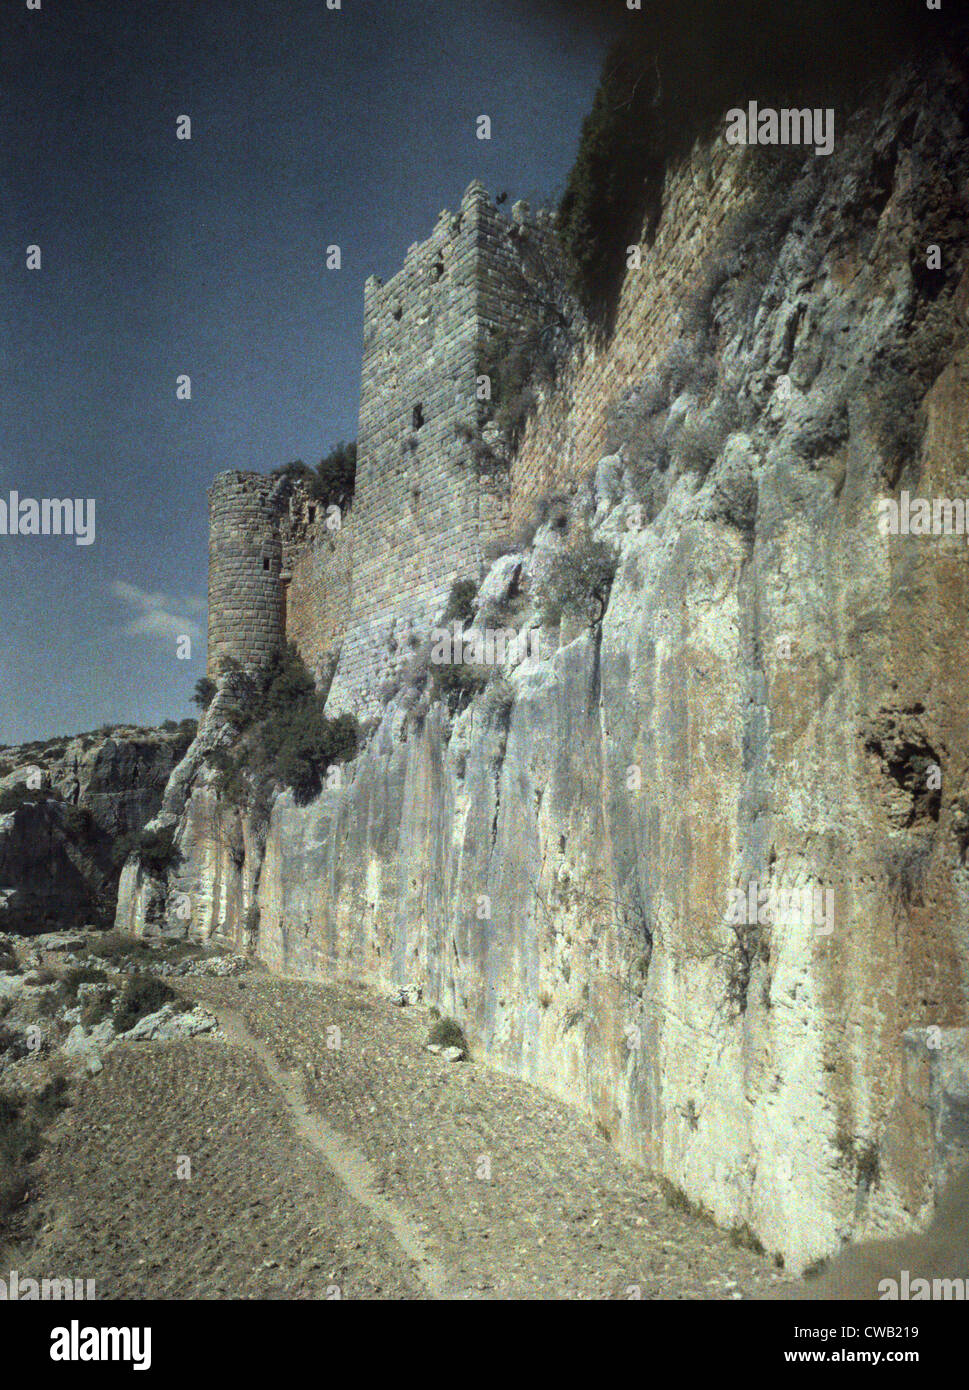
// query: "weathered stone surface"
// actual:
[[170, 1024], [118, 777], [78, 796], [774, 680], [86, 1045]]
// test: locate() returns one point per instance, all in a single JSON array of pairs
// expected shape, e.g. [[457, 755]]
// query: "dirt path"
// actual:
[[330, 1156], [352, 1169], [512, 1192], [255, 1213]]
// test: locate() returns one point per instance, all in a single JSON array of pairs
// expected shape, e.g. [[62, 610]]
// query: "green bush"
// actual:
[[287, 739], [115, 947], [304, 744], [19, 795], [460, 604], [156, 849], [205, 690], [702, 437], [457, 682], [141, 995], [333, 480], [578, 583], [447, 1032], [43, 976], [83, 975], [337, 474], [499, 701], [96, 1008]]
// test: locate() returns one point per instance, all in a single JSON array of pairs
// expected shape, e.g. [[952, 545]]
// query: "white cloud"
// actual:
[[158, 614]]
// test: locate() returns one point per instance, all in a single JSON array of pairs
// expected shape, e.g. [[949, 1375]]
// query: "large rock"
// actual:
[[171, 1023], [72, 799]]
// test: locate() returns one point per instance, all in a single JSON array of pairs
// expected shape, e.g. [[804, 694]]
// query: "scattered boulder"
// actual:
[[171, 1024], [408, 994], [84, 1046]]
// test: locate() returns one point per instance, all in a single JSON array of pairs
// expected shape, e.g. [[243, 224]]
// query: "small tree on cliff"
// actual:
[[285, 739], [578, 583], [332, 481], [204, 692]]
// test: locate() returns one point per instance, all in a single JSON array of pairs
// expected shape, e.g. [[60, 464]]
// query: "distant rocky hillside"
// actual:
[[67, 806]]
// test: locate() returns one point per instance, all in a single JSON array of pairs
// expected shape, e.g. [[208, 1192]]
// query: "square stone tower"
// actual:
[[423, 514]]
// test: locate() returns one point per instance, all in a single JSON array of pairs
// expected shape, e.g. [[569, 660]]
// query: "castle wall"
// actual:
[[246, 606], [422, 515], [320, 594], [566, 436]]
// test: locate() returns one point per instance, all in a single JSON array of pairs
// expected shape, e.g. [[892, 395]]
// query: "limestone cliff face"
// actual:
[[62, 805], [775, 704]]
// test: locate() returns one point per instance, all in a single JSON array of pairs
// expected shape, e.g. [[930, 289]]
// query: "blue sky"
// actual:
[[159, 256]]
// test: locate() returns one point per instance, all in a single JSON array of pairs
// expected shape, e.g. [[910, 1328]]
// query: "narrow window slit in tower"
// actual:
[[418, 416], [265, 562]]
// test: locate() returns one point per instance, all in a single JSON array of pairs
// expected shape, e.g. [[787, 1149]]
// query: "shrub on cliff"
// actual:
[[457, 682], [204, 692], [286, 739], [303, 744], [156, 849], [702, 436], [460, 603], [670, 78], [578, 583], [333, 480], [499, 701]]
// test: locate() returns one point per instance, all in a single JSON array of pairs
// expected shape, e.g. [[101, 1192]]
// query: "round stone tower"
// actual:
[[247, 609]]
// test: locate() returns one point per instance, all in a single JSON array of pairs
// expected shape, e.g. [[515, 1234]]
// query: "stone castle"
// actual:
[[349, 589], [778, 674]]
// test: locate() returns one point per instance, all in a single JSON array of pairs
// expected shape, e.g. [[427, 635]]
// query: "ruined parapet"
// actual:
[[246, 594]]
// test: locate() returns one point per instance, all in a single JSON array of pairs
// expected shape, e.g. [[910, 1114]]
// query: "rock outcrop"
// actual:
[[703, 871], [64, 804]]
